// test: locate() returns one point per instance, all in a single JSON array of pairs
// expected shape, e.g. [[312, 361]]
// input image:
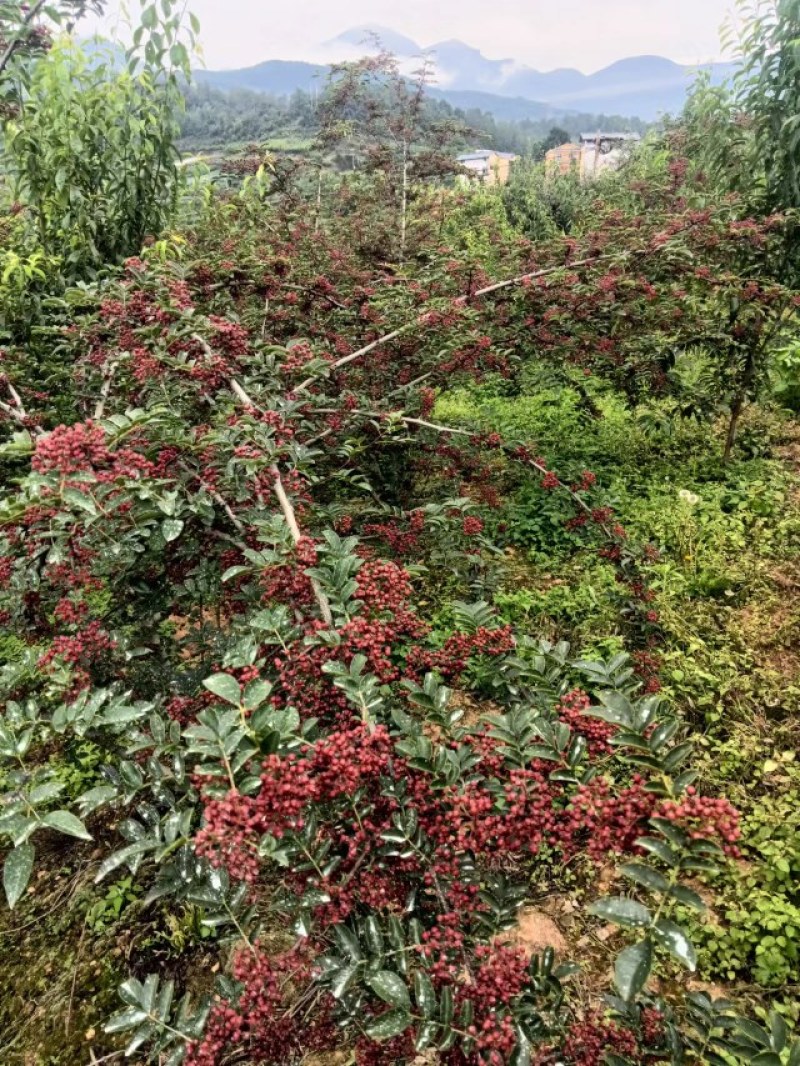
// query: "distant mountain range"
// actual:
[[639, 86]]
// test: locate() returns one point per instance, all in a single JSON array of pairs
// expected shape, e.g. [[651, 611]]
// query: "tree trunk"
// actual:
[[319, 201], [745, 384], [733, 425], [404, 204]]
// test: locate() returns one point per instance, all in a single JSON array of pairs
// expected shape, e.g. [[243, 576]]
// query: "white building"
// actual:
[[604, 151]]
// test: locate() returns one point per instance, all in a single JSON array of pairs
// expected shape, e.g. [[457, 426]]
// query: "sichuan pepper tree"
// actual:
[[214, 584], [25, 34], [385, 124]]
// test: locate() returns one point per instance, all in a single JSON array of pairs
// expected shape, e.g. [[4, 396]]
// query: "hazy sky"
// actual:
[[587, 34]]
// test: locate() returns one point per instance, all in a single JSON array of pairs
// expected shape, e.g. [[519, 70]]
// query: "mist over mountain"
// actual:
[[637, 86]]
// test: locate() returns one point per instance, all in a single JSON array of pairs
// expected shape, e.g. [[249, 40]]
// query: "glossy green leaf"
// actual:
[[171, 529], [621, 911], [632, 968], [389, 1025], [391, 988], [224, 686], [17, 872], [645, 875], [66, 822], [677, 943], [424, 994]]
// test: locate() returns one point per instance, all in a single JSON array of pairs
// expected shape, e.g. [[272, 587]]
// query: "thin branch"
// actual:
[[12, 412], [15, 396], [519, 280], [310, 291], [16, 40], [221, 502], [215, 496], [108, 377], [291, 521], [363, 351], [522, 278], [456, 432], [17, 411], [288, 510]]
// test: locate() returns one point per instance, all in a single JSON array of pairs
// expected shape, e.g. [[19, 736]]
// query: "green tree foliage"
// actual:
[[374, 116], [556, 136], [92, 152], [767, 94], [746, 135], [217, 118], [25, 32], [540, 204], [251, 574]]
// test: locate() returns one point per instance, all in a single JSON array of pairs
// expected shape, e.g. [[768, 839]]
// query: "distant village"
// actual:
[[592, 154]]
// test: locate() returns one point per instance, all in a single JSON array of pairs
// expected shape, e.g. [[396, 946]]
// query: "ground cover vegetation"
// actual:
[[399, 650]]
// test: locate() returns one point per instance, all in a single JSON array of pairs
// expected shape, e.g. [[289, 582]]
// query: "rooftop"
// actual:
[[484, 153], [602, 135]]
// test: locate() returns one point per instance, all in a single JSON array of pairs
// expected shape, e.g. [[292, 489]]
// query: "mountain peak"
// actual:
[[363, 36], [651, 65], [643, 86]]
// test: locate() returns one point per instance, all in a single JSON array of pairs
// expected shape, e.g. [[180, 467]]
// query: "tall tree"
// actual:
[[382, 120], [768, 93]]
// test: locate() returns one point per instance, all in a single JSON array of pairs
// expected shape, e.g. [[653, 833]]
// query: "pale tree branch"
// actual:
[[287, 509], [16, 410], [16, 39], [520, 279], [108, 377]]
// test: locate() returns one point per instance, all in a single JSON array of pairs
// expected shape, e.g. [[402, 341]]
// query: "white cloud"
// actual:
[[587, 34]]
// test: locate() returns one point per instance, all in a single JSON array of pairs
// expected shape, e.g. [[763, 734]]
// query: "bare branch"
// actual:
[[17, 411]]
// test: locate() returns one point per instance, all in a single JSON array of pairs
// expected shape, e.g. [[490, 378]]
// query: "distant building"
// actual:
[[487, 166], [595, 153], [564, 159], [604, 151]]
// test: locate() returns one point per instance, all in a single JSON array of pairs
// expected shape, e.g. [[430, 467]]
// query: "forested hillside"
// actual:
[[216, 118], [398, 578]]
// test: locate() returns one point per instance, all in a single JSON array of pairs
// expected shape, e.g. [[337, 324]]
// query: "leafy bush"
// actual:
[[92, 154]]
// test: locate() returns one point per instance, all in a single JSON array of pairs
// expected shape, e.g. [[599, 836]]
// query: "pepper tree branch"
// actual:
[[288, 510], [520, 279], [16, 39]]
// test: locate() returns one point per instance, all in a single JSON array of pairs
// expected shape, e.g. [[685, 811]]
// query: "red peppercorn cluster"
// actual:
[[472, 526], [402, 541], [452, 659], [383, 587], [652, 1026], [297, 357], [288, 583], [571, 711], [500, 978], [82, 448], [71, 612], [703, 817], [69, 449], [603, 822], [80, 651], [262, 1019], [230, 337], [587, 1042], [399, 1049]]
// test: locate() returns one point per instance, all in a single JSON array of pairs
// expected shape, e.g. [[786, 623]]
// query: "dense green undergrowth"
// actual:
[[726, 591]]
